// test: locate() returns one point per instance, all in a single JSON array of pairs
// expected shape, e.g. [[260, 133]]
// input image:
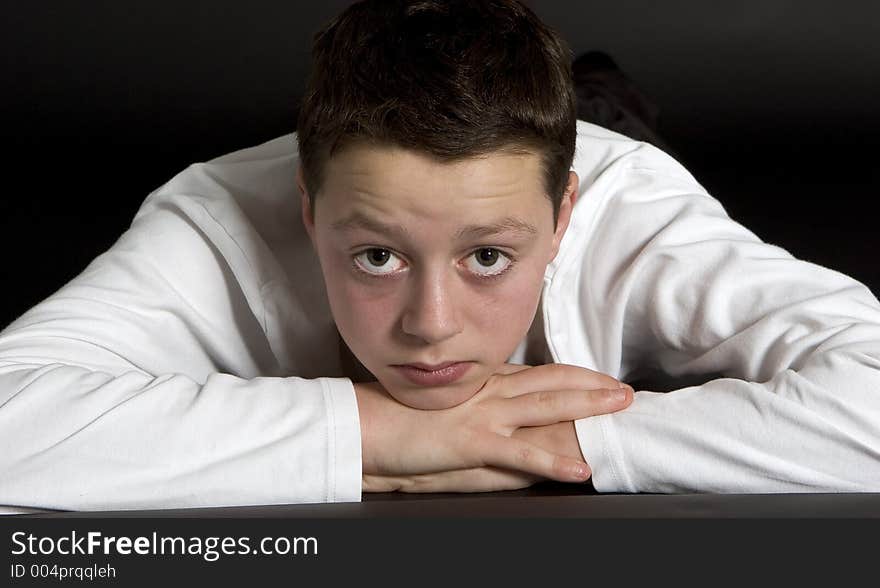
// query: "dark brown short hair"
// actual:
[[452, 79]]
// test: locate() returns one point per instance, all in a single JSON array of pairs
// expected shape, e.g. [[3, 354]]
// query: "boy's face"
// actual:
[[428, 263]]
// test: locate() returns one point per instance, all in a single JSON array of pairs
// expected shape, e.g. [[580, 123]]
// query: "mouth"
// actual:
[[433, 375]]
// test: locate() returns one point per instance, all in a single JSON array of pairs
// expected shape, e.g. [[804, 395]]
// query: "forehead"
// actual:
[[388, 180]]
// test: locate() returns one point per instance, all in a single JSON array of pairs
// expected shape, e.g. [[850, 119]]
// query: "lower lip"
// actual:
[[441, 377]]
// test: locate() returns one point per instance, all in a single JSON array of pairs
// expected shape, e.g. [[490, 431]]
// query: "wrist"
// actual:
[[366, 403], [384, 422]]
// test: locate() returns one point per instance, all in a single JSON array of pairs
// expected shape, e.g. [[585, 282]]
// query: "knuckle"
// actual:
[[524, 454], [546, 400]]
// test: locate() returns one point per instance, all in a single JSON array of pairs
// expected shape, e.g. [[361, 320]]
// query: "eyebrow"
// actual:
[[506, 225], [358, 220]]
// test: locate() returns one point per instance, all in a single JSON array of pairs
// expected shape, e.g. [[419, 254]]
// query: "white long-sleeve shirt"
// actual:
[[196, 362]]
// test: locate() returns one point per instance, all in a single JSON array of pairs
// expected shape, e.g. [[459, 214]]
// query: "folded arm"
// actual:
[[136, 386], [781, 357]]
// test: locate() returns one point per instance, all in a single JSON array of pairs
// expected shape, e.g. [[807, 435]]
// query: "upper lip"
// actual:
[[430, 367]]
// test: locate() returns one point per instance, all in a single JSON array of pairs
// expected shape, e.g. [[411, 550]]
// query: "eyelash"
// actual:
[[512, 262]]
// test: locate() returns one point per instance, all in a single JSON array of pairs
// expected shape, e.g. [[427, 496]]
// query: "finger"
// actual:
[[515, 454], [555, 376], [377, 483], [484, 479], [552, 406], [511, 368]]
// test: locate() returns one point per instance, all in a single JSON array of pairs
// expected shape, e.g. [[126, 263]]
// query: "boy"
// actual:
[[356, 308]]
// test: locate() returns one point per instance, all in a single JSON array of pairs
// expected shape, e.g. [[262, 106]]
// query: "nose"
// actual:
[[431, 312]]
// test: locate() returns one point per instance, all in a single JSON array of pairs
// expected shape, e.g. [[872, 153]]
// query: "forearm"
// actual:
[[798, 432], [784, 355], [85, 440]]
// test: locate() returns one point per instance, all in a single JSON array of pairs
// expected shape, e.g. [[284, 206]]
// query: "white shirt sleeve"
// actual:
[[777, 359], [148, 382]]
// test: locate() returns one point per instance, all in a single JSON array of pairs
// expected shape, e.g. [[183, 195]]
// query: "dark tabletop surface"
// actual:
[[547, 500]]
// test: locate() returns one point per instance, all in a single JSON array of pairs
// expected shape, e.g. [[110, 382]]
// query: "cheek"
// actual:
[[361, 309], [365, 312], [507, 310]]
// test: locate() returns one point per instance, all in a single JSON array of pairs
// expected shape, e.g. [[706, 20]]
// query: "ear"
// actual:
[[564, 216], [308, 217]]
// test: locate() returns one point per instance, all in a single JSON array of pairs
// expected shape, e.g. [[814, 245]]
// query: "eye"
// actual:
[[378, 261], [487, 262]]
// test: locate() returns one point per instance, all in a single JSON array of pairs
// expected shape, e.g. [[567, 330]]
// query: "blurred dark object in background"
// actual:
[[606, 96]]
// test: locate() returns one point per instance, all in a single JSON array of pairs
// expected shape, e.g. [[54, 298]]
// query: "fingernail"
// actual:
[[618, 395], [581, 471]]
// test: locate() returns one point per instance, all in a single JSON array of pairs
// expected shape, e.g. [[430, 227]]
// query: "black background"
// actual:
[[773, 106]]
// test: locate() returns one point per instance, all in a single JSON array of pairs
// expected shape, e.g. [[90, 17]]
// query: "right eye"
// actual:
[[378, 262]]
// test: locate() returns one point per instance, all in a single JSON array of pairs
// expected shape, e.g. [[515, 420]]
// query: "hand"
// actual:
[[472, 446], [559, 438]]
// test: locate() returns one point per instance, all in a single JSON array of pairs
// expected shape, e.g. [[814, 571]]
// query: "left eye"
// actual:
[[487, 262]]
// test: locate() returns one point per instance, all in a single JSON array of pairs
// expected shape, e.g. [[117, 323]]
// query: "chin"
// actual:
[[437, 398]]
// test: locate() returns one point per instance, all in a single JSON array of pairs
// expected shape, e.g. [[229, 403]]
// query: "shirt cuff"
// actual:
[[597, 437], [343, 441]]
